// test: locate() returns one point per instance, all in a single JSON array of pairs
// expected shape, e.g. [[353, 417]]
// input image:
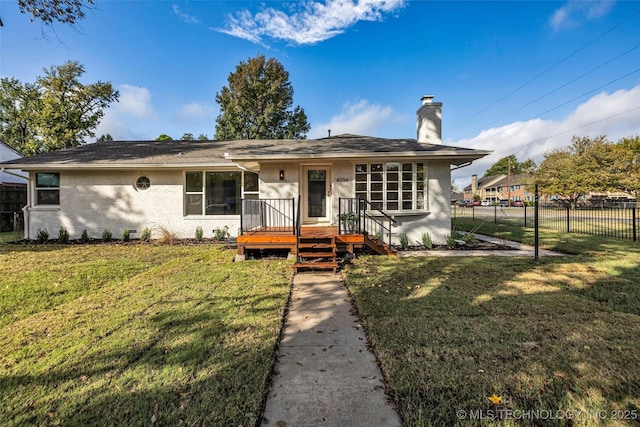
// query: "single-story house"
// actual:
[[182, 185]]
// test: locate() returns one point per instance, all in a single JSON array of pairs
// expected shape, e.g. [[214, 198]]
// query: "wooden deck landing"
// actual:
[[285, 239]]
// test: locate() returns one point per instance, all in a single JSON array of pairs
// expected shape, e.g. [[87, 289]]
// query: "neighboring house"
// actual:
[[180, 185], [501, 187], [13, 190]]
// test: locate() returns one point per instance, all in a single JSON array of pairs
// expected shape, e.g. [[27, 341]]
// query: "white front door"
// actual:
[[316, 195]]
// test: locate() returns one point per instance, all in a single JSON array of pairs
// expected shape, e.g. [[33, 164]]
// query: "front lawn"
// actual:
[[539, 338], [136, 334]]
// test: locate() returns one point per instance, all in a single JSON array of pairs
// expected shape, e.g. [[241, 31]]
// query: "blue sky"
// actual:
[[515, 77]]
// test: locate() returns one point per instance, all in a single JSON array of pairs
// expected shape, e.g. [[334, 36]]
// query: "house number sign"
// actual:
[[342, 179]]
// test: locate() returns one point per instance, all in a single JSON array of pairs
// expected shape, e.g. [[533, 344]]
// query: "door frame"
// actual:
[[304, 193]]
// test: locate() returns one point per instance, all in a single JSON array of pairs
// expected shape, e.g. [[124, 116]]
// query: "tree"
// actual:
[[256, 103], [19, 107], [164, 137], [187, 137], [501, 167], [585, 166], [57, 111], [627, 154], [105, 137], [202, 137], [47, 11]]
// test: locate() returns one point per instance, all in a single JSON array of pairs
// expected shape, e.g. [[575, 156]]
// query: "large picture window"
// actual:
[[392, 186], [47, 188], [218, 193]]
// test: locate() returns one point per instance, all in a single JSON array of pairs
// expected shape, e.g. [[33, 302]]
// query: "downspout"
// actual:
[[25, 209]]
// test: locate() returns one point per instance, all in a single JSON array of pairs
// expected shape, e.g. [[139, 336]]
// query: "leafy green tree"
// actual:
[[19, 107], [627, 154], [55, 112], [586, 165], [257, 103], [187, 137], [105, 137], [70, 109], [202, 137], [164, 137], [48, 11], [501, 167]]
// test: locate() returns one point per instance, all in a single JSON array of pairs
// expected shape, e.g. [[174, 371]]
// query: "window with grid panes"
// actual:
[[392, 186]]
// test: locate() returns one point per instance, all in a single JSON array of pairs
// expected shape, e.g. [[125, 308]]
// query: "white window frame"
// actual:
[[38, 189], [253, 194], [384, 203]]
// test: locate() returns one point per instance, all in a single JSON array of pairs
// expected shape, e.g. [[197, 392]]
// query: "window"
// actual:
[[392, 186], [218, 193], [143, 183], [47, 188]]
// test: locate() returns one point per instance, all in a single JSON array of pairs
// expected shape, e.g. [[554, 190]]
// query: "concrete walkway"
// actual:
[[519, 249], [325, 375]]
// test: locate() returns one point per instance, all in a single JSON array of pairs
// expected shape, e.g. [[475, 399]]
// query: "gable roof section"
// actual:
[[351, 147], [180, 154]]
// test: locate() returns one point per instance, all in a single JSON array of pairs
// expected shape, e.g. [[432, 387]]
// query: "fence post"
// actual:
[[568, 224], [633, 221], [525, 215], [536, 238], [495, 214]]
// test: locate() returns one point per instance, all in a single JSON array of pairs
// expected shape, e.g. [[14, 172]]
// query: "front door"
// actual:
[[317, 198]]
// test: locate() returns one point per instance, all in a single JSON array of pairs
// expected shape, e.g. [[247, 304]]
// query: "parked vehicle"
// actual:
[[464, 203], [486, 203], [504, 203], [477, 203], [518, 203]]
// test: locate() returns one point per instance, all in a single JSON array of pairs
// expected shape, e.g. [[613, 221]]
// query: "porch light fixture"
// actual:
[[281, 174]]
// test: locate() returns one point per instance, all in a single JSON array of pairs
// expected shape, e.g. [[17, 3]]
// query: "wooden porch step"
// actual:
[[317, 254], [333, 265], [317, 245]]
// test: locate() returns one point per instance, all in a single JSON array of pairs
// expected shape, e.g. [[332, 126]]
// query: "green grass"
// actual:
[[10, 236], [558, 334], [136, 334]]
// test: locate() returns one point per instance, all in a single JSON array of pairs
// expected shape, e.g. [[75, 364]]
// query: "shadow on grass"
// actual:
[[169, 353], [560, 334]]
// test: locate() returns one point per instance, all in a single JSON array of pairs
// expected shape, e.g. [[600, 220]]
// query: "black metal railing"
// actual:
[[614, 222], [268, 215], [360, 216]]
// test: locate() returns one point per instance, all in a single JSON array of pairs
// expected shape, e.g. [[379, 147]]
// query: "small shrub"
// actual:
[[63, 235], [167, 236], [126, 235], [221, 234], [42, 235], [199, 234], [426, 241], [107, 236], [146, 235], [84, 237], [451, 241], [404, 241]]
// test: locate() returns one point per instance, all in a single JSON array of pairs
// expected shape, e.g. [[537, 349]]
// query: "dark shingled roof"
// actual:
[[123, 154]]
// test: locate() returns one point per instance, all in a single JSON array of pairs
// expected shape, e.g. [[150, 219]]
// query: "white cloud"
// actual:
[[124, 116], [136, 101], [615, 115], [309, 21], [360, 118], [574, 12], [189, 19]]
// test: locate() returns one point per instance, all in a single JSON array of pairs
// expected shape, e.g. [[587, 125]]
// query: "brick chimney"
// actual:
[[429, 121], [474, 185]]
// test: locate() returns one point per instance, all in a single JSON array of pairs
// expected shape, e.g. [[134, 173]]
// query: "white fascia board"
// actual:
[[116, 166], [441, 155]]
